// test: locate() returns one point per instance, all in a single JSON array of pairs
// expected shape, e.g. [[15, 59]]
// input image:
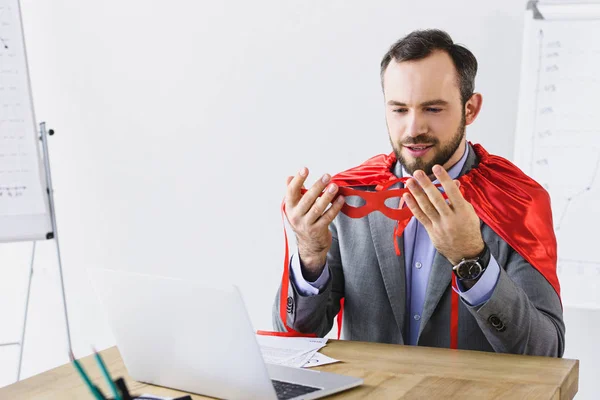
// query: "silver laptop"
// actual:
[[197, 338]]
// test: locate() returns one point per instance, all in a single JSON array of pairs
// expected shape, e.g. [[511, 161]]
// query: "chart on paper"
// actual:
[[21, 191], [558, 143]]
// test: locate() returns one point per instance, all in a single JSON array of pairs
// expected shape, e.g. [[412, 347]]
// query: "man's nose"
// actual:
[[416, 125]]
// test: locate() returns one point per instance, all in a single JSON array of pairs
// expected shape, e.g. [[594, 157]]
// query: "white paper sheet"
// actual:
[[300, 360], [319, 359], [290, 352]]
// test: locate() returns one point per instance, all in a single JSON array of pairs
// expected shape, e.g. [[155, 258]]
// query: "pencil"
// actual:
[[85, 378], [107, 376]]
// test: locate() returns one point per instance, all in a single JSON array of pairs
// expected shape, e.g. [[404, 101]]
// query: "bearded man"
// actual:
[[438, 243]]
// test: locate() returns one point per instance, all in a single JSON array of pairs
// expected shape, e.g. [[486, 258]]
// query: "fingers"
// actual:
[[293, 194], [422, 200], [321, 203], [416, 210], [333, 211], [450, 187], [309, 198], [433, 195]]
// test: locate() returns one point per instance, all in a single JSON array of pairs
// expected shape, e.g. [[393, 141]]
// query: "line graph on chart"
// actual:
[[19, 162], [558, 144]]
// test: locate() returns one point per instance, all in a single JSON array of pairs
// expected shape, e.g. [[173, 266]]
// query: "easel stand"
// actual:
[[52, 235]]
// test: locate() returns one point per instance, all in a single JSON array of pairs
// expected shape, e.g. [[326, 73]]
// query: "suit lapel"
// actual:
[[440, 276], [391, 266]]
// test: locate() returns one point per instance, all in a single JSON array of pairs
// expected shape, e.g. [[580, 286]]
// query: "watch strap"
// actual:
[[485, 256]]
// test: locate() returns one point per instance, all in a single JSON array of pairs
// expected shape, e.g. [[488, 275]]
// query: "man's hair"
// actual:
[[421, 43]]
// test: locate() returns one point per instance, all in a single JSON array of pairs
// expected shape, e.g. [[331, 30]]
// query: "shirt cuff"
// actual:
[[304, 287], [484, 287]]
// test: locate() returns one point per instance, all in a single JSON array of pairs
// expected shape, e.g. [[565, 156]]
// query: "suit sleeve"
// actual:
[[523, 314], [314, 313]]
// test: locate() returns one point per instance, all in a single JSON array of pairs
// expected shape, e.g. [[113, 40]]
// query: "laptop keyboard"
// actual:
[[287, 390]]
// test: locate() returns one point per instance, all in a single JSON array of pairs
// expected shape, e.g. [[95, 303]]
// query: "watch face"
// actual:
[[469, 270]]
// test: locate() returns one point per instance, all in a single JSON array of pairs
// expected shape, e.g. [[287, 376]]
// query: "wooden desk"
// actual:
[[389, 371]]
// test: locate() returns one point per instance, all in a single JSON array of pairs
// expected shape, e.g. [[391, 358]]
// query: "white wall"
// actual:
[[177, 123]]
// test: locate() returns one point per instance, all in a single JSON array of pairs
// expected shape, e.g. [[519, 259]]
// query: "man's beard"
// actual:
[[441, 157]]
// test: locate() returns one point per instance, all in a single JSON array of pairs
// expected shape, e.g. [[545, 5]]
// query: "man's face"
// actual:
[[424, 112]]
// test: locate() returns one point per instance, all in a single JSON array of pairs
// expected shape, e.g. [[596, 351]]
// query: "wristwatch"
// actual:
[[470, 269]]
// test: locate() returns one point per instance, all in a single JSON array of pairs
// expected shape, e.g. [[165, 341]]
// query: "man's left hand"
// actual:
[[454, 227]]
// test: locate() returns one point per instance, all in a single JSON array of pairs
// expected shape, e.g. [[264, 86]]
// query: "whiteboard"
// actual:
[[558, 135], [24, 209]]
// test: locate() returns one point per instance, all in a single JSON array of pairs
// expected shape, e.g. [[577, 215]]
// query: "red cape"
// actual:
[[515, 206]]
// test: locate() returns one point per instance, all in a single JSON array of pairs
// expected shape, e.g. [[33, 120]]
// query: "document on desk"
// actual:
[[293, 352], [319, 359]]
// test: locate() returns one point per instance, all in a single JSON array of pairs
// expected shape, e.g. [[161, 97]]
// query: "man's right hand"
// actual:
[[310, 220]]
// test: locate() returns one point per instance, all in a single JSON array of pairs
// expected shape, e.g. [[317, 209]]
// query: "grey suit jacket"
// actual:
[[523, 315]]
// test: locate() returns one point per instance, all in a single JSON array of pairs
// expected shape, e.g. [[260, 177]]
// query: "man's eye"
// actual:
[[400, 110], [434, 110]]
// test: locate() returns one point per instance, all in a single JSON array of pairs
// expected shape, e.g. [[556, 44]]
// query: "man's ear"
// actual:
[[473, 107]]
